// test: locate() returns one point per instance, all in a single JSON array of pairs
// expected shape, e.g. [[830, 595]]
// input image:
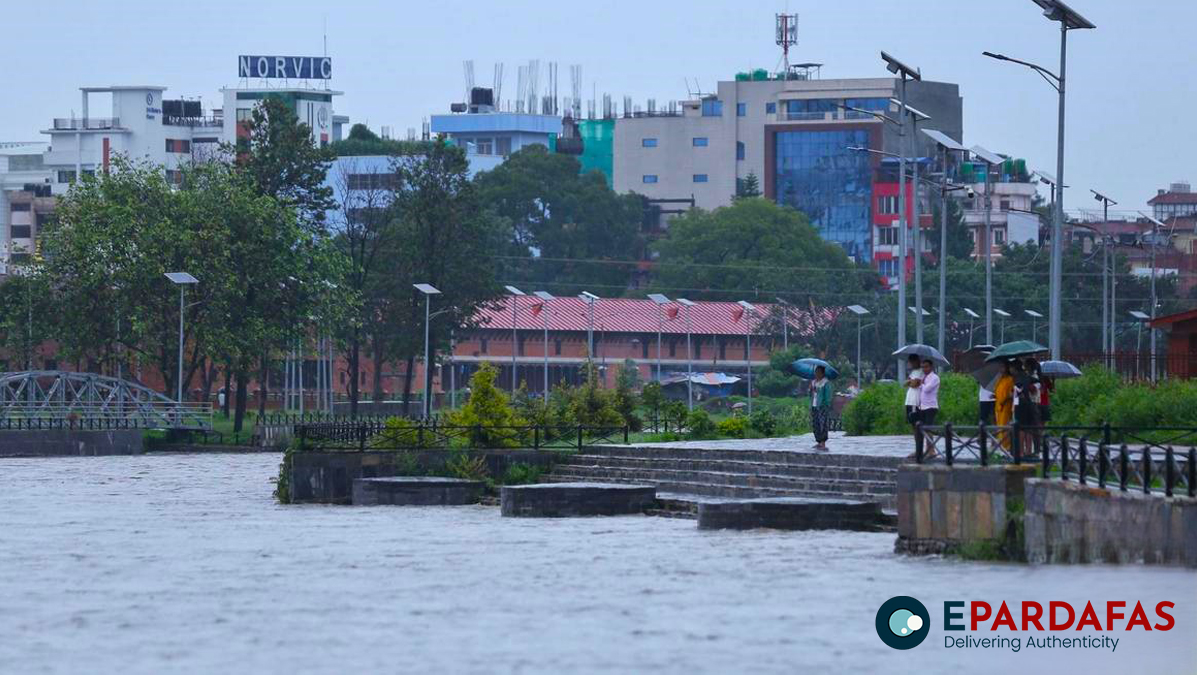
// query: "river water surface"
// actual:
[[184, 563]]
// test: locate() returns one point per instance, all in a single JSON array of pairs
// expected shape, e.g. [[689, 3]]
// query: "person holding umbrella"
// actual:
[[1004, 400], [912, 393], [822, 402]]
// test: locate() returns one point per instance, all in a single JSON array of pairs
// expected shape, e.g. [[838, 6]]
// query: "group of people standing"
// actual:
[[1021, 393]]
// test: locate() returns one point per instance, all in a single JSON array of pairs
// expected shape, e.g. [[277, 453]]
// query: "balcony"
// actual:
[[194, 122], [86, 123]]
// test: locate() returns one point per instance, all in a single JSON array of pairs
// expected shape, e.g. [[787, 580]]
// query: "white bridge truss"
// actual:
[[58, 397]]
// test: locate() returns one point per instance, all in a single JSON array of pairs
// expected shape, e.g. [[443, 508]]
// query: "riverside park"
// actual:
[[371, 340]]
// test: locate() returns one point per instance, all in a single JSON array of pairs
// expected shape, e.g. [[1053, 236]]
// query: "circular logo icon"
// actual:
[[323, 118], [902, 622]]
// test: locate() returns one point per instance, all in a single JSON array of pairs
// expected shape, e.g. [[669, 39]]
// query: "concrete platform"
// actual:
[[568, 500], [791, 513], [415, 491]]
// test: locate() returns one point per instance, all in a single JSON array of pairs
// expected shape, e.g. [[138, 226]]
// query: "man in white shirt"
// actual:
[[987, 406]]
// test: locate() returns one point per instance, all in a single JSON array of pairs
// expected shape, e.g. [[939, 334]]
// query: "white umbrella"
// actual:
[[923, 352]]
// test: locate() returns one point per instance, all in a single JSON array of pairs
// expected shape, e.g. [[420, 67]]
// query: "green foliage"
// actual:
[[748, 186], [362, 141], [402, 432], [771, 382], [753, 243], [624, 399], [592, 406], [763, 422], [571, 219], [878, 410], [467, 467], [700, 426], [1100, 396], [280, 157], [734, 426], [519, 473], [487, 409], [283, 483]]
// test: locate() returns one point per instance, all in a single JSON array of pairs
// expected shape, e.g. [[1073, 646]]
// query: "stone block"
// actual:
[[954, 515], [789, 513], [922, 515], [565, 500], [415, 491]]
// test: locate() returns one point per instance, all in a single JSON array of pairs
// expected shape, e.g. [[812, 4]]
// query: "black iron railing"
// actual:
[[363, 435], [1157, 459], [35, 423]]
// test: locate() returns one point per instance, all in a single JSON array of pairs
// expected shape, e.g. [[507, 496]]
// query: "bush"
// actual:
[[797, 420], [771, 382], [401, 432], [700, 425], [877, 410], [487, 409], [522, 474], [734, 427], [464, 466], [1100, 396], [764, 423], [592, 406]]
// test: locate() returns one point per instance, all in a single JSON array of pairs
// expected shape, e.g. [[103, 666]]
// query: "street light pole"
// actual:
[[1068, 19], [545, 298], [590, 299], [429, 291], [516, 293], [896, 67], [180, 279], [749, 308], [659, 299], [859, 311], [1108, 314], [687, 318], [942, 256]]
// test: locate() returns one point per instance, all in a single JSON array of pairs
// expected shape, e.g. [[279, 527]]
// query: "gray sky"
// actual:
[[1131, 106]]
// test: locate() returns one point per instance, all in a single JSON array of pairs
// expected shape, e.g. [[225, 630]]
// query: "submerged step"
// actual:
[[415, 491], [790, 513], [566, 500]]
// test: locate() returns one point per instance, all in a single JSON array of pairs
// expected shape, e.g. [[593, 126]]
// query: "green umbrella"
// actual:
[[1012, 350]]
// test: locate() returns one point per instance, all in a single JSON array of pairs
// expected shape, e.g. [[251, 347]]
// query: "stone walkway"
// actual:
[[838, 443]]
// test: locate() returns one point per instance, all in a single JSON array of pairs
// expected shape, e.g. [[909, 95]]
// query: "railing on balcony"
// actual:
[[85, 123]]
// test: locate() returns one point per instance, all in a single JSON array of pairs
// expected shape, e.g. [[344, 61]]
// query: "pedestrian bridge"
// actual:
[[56, 398]]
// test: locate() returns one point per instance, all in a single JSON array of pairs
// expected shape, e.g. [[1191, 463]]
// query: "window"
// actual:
[[483, 345], [711, 107], [174, 176], [699, 178], [741, 150], [1004, 204], [649, 178], [721, 349], [18, 258], [558, 347], [649, 142], [700, 142], [998, 237], [888, 236], [645, 349], [696, 349], [179, 146], [888, 205], [21, 207], [745, 350], [504, 146], [810, 109], [520, 345], [771, 108], [879, 105], [66, 176], [671, 345], [741, 110], [244, 115], [371, 181], [483, 146], [21, 232]]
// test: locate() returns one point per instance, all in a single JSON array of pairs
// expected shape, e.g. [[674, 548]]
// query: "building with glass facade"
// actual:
[[792, 135]]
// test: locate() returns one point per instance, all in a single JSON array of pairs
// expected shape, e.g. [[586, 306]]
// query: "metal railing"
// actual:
[[17, 415], [1158, 459], [85, 123], [372, 435]]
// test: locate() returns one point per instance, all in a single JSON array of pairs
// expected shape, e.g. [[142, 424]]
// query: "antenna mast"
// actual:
[[785, 35]]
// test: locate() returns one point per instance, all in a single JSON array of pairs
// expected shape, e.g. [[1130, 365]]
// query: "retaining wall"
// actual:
[[941, 509], [328, 477], [70, 442], [1070, 523]]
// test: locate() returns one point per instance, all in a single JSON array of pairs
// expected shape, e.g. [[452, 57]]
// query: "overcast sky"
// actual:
[[1131, 106]]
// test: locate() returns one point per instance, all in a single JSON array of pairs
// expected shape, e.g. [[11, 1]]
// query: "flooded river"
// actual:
[[184, 563]]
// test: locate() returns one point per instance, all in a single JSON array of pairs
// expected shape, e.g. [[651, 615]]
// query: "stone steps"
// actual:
[[773, 457], [736, 466], [731, 479]]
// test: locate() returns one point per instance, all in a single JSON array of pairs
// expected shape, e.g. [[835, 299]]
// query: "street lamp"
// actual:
[[784, 304], [545, 298], [1142, 318], [687, 318], [1003, 316], [859, 312], [182, 280], [905, 72], [516, 293], [660, 300], [1068, 19], [947, 145], [1156, 224], [749, 309], [1035, 316], [971, 335], [590, 299], [429, 292], [1106, 314], [990, 159]]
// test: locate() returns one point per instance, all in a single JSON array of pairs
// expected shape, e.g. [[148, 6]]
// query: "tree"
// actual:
[[748, 186], [444, 239], [754, 248], [567, 229], [278, 152]]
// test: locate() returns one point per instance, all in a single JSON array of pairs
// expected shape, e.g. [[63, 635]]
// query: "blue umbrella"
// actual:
[[807, 368]]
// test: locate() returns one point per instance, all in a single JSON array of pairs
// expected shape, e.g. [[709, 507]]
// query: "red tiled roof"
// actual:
[[1171, 319], [633, 315], [1173, 198]]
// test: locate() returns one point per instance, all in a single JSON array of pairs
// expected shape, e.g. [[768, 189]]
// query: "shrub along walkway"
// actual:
[[688, 472]]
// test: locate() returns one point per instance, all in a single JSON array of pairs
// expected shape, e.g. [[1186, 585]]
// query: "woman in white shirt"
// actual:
[[912, 393]]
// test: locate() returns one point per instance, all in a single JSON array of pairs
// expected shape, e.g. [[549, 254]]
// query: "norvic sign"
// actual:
[[286, 67]]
